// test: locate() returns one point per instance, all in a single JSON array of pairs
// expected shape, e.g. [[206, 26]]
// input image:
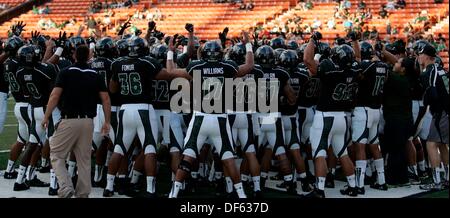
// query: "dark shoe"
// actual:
[[38, 183], [44, 169], [349, 191], [122, 186], [431, 187], [445, 185], [74, 181], [291, 187], [383, 187], [10, 175], [306, 187], [361, 191], [277, 177], [422, 174], [20, 187], [107, 193], [369, 180], [220, 187], [147, 195], [133, 190], [101, 184], [257, 195], [316, 193], [329, 181], [52, 191]]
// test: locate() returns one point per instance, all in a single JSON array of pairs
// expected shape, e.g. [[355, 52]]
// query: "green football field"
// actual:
[[9, 135]]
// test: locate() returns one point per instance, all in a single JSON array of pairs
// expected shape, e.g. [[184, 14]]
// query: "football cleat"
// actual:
[[306, 187], [10, 175], [329, 181], [147, 195], [107, 193], [52, 191], [316, 193], [350, 191], [431, 187], [21, 187], [257, 195], [37, 183], [361, 191], [382, 187], [44, 169]]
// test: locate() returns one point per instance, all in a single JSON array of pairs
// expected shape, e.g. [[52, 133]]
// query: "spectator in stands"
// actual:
[[337, 14], [127, 3], [45, 10], [72, 21], [91, 25], [242, 6], [346, 4], [361, 5], [250, 5], [388, 27], [316, 24], [148, 15], [401, 4], [441, 46], [331, 24], [421, 17], [438, 1], [42, 23], [395, 30], [374, 33], [383, 13], [366, 33], [158, 14], [3, 6], [390, 5], [309, 5], [348, 24], [440, 37], [368, 14], [431, 40]]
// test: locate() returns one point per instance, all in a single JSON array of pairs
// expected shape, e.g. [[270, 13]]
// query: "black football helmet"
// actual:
[[289, 59], [438, 60], [237, 53], [418, 45], [265, 56], [12, 45], [277, 53], [277, 43], [343, 56], [40, 41], [292, 45], [391, 48], [28, 55], [105, 47], [122, 47], [367, 50], [212, 51], [324, 49], [138, 47], [159, 52]]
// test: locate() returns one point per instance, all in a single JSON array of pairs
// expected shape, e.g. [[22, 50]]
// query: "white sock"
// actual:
[[436, 176], [110, 182], [240, 190], [21, 174], [264, 175], [301, 175], [71, 168], [369, 171], [332, 171], [135, 177], [175, 189], [173, 177], [10, 166], [44, 162], [311, 167], [151, 183], [351, 181], [288, 178], [108, 157], [218, 175], [201, 169], [121, 176], [379, 166], [98, 173], [320, 181], [256, 183], [360, 172], [421, 165], [229, 184], [244, 177], [30, 173], [53, 183]]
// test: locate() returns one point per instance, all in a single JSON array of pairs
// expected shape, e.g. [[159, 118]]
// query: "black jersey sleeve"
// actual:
[[231, 68], [192, 65]]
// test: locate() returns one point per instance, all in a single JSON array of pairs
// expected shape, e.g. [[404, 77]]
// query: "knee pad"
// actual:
[[185, 166], [118, 149], [149, 149]]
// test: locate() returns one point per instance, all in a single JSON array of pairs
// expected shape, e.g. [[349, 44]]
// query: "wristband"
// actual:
[[317, 57], [92, 45], [59, 51], [170, 55], [249, 47], [185, 48]]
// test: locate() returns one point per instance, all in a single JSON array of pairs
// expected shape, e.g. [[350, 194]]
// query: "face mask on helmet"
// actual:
[[324, 49], [159, 52], [343, 56], [28, 56], [105, 47], [278, 53], [367, 51], [122, 47], [12, 45], [418, 45], [292, 45], [212, 51], [277, 43]]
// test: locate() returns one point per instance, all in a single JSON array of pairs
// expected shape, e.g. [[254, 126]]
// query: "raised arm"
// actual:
[[249, 57], [171, 72], [308, 57]]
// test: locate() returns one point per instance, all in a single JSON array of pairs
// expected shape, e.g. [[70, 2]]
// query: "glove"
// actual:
[[61, 41], [354, 36], [189, 27], [151, 26]]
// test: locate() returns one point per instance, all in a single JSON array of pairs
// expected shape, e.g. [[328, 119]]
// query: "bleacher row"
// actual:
[[210, 18]]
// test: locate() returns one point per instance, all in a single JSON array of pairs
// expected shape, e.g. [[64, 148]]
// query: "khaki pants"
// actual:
[[72, 135]]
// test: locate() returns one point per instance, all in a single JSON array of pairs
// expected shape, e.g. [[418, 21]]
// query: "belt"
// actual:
[[75, 117]]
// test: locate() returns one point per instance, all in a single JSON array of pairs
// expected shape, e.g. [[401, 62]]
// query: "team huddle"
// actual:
[[328, 109]]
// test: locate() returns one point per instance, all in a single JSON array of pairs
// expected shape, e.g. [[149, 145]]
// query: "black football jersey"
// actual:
[[208, 84], [273, 77], [37, 83], [10, 67], [417, 88], [103, 67], [246, 89], [371, 82], [297, 79], [338, 86], [135, 77], [4, 85], [309, 92], [63, 63]]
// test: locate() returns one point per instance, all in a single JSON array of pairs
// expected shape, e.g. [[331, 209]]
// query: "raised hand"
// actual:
[[124, 27], [34, 36], [61, 39], [171, 43], [245, 37], [189, 27], [18, 28], [151, 26]]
